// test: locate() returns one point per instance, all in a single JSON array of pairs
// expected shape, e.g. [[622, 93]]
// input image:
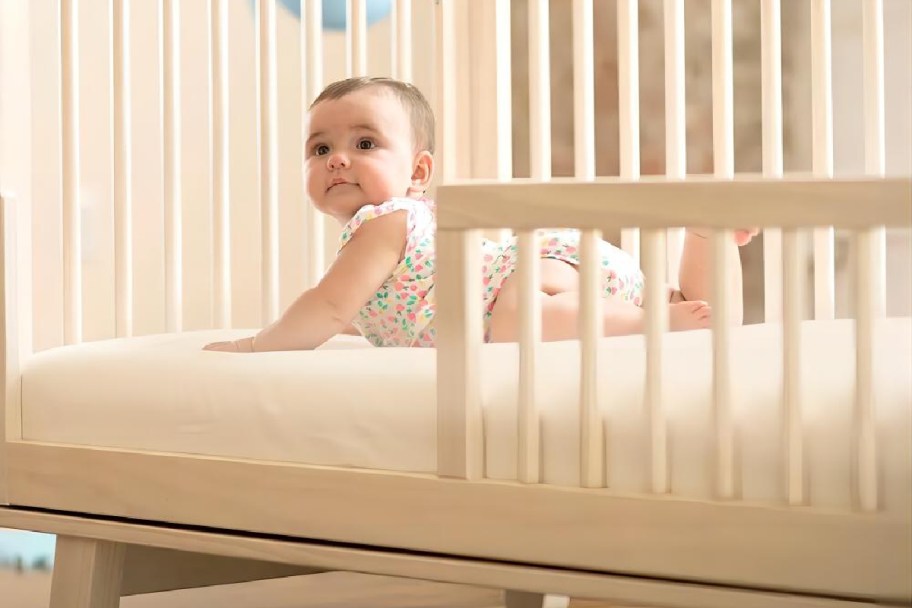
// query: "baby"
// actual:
[[369, 160]]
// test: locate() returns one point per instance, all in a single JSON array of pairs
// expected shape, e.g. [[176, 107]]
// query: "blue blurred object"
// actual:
[[26, 546], [334, 11]]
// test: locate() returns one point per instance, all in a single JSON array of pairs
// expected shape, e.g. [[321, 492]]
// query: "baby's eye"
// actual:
[[320, 150], [366, 144]]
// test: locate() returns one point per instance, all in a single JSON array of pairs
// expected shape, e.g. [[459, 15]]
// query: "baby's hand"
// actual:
[[244, 345]]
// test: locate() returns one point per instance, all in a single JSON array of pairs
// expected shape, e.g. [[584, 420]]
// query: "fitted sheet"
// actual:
[[349, 404]]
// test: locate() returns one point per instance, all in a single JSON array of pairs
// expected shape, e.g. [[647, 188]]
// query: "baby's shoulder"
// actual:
[[419, 215]]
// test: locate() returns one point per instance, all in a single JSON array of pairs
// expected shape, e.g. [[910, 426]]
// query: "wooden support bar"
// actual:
[[358, 18], [583, 91], [269, 170], [591, 330], [722, 388], [539, 90], [314, 220], [864, 420], [771, 59], [629, 106], [529, 342], [792, 426], [123, 204], [219, 130], [171, 164], [69, 122], [875, 153], [403, 46], [656, 305], [445, 109], [460, 432], [675, 121], [822, 112]]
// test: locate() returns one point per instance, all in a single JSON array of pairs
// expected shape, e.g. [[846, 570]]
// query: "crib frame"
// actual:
[[123, 515], [119, 497]]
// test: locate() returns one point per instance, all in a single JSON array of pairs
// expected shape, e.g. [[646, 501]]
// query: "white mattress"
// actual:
[[353, 405]]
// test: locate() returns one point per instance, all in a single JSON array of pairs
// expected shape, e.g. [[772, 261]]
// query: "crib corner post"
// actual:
[[10, 427]]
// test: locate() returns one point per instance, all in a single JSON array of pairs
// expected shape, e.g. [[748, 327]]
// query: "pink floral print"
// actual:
[[401, 311]]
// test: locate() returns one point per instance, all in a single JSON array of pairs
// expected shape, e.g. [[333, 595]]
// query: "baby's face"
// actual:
[[358, 151]]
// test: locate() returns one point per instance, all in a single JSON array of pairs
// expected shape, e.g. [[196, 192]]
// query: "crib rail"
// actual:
[[791, 204]]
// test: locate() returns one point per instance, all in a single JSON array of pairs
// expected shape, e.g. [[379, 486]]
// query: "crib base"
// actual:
[[223, 556]]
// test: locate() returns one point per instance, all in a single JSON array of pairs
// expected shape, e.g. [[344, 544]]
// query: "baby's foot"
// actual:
[[694, 314]]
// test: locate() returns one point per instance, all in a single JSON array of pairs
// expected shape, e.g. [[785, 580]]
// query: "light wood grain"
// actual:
[[87, 573], [122, 169], [171, 167], [535, 579], [591, 329], [528, 269], [611, 204], [69, 142], [11, 414], [460, 440], [153, 570], [807, 549], [268, 157], [771, 53]]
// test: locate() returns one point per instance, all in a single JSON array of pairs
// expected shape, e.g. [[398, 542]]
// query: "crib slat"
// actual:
[[722, 399], [268, 143], [583, 91], [314, 74], [171, 147], [675, 121], [771, 59], [629, 106], [822, 101], [123, 205], [69, 99], [723, 100], [358, 19], [460, 433], [724, 167], [875, 153], [539, 90], [656, 305], [221, 217], [403, 45], [792, 427], [504, 91], [529, 341], [445, 110], [864, 424], [591, 454]]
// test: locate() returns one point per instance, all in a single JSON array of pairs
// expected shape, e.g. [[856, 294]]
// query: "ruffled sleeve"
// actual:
[[369, 212]]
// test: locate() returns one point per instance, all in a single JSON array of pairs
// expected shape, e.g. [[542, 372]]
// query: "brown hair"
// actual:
[[411, 98]]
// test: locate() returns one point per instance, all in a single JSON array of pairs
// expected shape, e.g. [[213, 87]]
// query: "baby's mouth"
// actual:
[[339, 183]]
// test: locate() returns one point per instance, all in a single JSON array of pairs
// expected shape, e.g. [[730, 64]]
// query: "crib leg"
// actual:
[[87, 573], [525, 599]]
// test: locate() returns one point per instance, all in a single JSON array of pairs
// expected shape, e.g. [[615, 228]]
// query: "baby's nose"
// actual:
[[337, 161]]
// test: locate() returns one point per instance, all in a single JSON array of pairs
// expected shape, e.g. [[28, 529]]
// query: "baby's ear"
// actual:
[[423, 171]]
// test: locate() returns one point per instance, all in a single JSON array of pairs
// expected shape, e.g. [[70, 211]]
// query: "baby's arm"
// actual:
[[318, 314]]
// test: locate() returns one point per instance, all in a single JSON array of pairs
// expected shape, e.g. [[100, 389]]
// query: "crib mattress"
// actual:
[[349, 404]]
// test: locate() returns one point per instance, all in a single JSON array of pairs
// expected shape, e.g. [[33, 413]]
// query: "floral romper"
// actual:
[[401, 311]]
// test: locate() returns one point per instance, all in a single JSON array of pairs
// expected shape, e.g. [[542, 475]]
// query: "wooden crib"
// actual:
[[531, 478]]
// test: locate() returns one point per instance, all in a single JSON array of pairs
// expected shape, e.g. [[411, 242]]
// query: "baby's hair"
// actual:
[[411, 98]]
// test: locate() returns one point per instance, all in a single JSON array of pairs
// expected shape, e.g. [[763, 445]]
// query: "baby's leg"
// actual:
[[559, 297]]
